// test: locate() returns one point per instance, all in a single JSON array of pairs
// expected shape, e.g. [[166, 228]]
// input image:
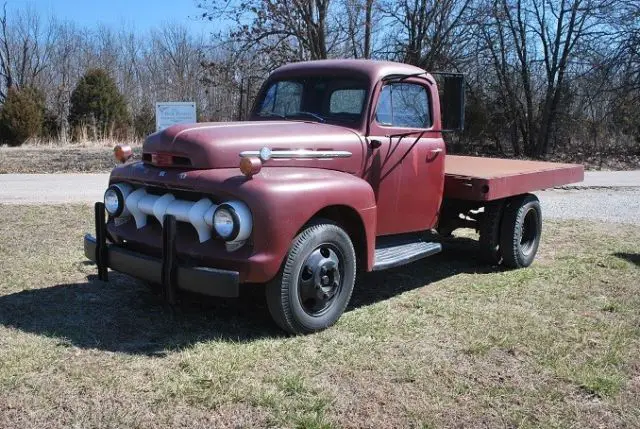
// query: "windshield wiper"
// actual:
[[267, 114], [314, 115], [302, 113]]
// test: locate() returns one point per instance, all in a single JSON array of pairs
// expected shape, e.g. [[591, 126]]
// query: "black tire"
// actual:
[[521, 230], [489, 229], [300, 299]]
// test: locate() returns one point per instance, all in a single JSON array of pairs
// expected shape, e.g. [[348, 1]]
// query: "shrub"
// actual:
[[144, 122], [21, 116], [97, 104], [51, 127]]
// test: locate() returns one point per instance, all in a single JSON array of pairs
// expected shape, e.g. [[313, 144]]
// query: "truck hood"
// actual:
[[218, 145]]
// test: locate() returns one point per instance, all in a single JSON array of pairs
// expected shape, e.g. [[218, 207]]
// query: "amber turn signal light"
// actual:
[[122, 153], [250, 166]]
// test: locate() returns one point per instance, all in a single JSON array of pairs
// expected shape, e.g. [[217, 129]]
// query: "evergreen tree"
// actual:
[[21, 116], [97, 104]]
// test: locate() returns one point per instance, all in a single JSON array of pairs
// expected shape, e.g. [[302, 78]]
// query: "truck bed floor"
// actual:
[[487, 179]]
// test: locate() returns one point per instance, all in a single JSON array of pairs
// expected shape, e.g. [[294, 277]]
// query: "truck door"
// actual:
[[405, 163]]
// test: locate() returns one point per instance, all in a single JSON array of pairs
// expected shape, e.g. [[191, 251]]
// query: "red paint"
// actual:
[[281, 201], [394, 181], [487, 179], [218, 145], [406, 172]]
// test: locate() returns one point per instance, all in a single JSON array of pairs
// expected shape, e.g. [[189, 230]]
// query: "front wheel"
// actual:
[[315, 284]]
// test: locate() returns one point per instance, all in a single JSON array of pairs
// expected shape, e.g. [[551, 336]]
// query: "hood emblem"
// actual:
[[182, 175], [265, 154]]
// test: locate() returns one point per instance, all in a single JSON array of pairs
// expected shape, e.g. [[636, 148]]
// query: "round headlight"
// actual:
[[226, 222], [114, 199], [113, 202]]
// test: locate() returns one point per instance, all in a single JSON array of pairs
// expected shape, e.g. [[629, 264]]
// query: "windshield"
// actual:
[[320, 99]]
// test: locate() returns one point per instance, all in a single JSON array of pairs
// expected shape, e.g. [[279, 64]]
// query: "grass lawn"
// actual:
[[442, 342]]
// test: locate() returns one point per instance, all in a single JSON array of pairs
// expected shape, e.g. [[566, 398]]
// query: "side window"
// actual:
[[347, 101], [282, 98], [404, 105], [384, 113]]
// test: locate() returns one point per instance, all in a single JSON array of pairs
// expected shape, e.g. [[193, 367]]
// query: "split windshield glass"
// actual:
[[319, 99]]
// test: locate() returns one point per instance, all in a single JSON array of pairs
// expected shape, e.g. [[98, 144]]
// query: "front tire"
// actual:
[[521, 230], [315, 284]]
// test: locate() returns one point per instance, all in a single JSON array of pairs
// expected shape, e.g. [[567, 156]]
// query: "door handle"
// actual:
[[438, 150]]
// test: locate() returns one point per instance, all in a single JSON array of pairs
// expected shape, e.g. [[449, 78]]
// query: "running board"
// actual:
[[392, 252]]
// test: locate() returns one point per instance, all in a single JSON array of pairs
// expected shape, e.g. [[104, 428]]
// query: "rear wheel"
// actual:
[[315, 285], [520, 231], [490, 232]]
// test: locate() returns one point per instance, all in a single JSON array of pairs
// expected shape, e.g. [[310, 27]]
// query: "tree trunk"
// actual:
[[367, 29]]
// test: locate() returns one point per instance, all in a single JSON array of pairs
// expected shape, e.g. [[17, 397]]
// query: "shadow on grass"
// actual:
[[634, 258], [458, 257], [126, 316]]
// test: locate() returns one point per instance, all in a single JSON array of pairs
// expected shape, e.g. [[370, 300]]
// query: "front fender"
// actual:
[[281, 199]]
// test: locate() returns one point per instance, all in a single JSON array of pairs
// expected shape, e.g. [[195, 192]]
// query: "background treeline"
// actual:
[[544, 77]]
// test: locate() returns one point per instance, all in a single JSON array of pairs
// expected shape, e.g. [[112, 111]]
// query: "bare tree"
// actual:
[[286, 29], [25, 47], [428, 33], [533, 45], [357, 26]]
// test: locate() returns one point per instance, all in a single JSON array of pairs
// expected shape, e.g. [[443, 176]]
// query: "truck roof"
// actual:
[[373, 69]]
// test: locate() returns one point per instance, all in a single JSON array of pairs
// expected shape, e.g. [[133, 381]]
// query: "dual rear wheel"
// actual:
[[510, 231]]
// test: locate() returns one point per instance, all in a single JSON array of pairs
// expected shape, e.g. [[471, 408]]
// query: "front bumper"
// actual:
[[166, 271]]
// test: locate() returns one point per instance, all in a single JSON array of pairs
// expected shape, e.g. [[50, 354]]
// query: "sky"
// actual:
[[142, 15]]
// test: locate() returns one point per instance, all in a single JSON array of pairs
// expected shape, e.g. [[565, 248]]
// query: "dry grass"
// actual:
[[97, 157], [87, 157], [445, 342]]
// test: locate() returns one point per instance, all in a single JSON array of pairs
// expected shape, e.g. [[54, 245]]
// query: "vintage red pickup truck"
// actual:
[[341, 167]]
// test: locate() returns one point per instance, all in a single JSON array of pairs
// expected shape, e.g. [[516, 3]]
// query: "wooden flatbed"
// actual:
[[486, 179]]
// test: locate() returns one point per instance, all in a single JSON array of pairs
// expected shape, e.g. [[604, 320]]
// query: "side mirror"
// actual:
[[452, 101]]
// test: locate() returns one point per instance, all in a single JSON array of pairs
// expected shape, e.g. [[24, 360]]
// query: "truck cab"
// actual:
[[341, 167], [393, 109]]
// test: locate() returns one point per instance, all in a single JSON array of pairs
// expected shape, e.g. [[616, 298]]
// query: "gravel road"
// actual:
[[610, 205], [606, 196], [52, 188]]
